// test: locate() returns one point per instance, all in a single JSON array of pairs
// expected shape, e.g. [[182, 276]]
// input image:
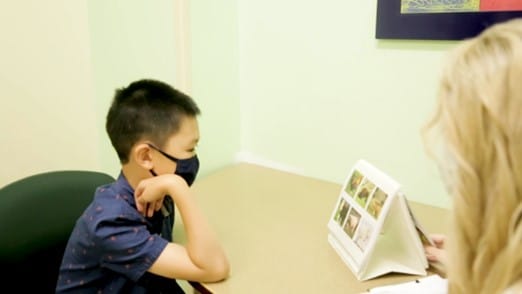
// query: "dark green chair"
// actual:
[[37, 215]]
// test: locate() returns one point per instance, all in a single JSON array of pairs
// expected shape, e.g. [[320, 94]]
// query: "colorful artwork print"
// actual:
[[364, 193], [341, 212], [352, 222], [354, 182], [376, 203], [441, 6]]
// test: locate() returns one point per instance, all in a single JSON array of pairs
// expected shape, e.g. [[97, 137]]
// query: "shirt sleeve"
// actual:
[[126, 245]]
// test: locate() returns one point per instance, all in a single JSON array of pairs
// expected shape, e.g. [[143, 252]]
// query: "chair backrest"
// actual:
[[37, 215]]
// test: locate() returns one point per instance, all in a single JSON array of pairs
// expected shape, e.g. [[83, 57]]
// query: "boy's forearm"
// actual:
[[202, 245]]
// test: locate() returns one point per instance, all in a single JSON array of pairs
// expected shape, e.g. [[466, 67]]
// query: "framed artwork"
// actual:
[[441, 19]]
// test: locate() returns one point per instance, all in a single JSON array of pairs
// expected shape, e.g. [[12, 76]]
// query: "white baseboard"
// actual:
[[248, 157]]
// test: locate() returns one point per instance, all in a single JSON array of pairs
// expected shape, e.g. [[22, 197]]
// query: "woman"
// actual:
[[479, 121]]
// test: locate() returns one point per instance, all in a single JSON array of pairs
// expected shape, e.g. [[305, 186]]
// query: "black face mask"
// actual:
[[188, 169], [185, 168]]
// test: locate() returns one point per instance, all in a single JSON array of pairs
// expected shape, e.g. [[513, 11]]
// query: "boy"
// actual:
[[123, 241]]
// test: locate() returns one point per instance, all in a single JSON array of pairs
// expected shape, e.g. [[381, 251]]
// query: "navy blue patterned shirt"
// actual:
[[112, 246]]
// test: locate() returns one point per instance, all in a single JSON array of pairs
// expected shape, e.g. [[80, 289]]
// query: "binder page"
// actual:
[[398, 248]]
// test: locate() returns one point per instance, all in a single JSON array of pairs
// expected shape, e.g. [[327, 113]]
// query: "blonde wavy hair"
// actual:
[[478, 121]]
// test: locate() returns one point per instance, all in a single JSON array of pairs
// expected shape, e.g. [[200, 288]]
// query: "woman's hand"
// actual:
[[437, 252]]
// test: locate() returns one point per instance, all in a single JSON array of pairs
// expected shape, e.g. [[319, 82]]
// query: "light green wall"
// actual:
[[301, 85], [136, 39], [318, 92], [215, 80], [129, 40]]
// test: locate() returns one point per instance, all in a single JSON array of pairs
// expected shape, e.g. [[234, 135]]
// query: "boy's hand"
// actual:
[[149, 193]]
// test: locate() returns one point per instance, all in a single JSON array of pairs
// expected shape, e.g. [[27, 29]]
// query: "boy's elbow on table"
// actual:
[[219, 271]]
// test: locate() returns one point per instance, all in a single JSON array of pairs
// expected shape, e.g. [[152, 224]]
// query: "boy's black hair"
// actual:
[[146, 109]]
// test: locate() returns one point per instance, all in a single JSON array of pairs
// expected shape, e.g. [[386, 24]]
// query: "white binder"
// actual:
[[372, 227]]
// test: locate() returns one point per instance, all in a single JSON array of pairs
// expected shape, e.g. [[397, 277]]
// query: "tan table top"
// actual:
[[273, 226]]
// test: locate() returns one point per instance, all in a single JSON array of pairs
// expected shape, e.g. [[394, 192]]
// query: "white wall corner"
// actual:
[[249, 157]]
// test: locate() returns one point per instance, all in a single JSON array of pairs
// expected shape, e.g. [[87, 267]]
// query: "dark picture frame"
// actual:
[[391, 24]]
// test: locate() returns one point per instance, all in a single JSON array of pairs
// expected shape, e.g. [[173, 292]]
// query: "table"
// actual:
[[273, 226]]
